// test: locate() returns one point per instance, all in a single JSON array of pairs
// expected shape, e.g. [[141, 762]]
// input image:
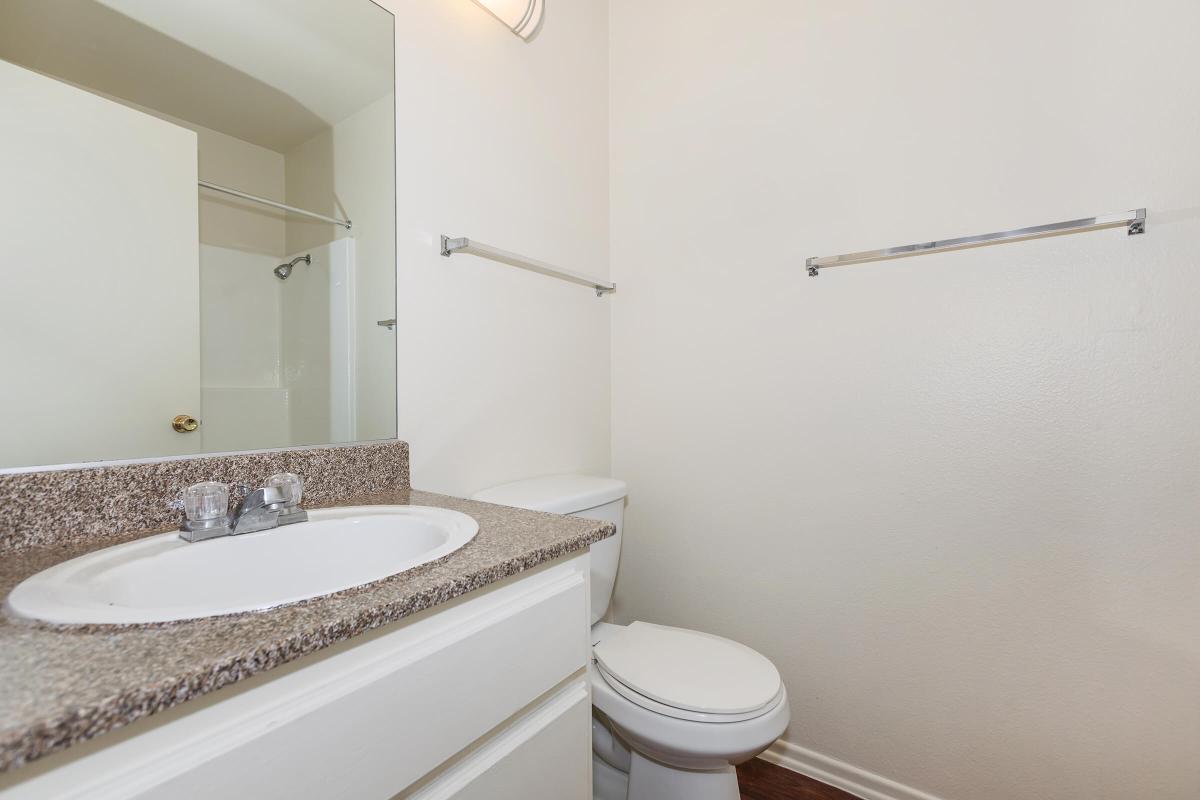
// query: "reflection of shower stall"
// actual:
[[317, 323], [277, 355]]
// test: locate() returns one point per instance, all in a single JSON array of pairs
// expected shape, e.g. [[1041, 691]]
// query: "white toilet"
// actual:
[[673, 709]]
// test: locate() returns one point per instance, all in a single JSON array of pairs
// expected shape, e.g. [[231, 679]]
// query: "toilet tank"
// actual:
[[578, 496]]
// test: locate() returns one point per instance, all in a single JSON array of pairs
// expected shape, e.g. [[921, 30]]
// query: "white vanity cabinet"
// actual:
[[485, 696]]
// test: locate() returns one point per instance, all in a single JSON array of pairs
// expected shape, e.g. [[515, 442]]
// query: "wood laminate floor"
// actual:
[[760, 780]]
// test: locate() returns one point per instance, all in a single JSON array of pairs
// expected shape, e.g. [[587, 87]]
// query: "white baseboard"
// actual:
[[839, 774]]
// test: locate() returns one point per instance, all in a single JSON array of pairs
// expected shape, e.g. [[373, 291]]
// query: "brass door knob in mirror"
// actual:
[[185, 423]]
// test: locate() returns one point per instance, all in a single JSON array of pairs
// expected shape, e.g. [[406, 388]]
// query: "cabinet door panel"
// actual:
[[378, 739], [545, 755]]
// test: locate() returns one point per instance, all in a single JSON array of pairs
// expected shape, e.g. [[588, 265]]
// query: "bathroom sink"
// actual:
[[163, 578]]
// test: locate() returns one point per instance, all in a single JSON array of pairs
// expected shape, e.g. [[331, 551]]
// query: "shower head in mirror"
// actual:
[[284, 270]]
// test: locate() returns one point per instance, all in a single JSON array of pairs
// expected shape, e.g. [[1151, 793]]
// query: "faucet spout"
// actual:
[[258, 511]]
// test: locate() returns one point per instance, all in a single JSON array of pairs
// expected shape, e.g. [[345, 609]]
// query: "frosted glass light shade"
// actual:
[[523, 16]]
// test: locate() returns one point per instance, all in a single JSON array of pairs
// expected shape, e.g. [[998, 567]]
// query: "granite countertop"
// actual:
[[60, 686]]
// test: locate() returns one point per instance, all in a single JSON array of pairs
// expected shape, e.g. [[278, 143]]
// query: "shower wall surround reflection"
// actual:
[[140, 296]]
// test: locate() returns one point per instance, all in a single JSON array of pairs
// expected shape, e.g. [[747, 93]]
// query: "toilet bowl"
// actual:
[[683, 729], [674, 710]]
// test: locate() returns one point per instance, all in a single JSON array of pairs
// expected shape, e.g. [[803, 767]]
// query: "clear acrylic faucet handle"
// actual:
[[204, 501], [290, 485]]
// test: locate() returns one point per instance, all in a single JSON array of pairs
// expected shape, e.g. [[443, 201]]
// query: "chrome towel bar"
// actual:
[[1133, 221], [451, 246]]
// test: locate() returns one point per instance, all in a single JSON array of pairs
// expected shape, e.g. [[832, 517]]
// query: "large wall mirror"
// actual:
[[198, 217]]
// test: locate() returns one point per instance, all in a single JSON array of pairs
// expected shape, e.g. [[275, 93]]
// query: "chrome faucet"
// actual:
[[207, 516], [258, 510]]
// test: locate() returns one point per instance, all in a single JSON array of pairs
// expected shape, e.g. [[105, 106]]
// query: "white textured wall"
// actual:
[[502, 373], [955, 498]]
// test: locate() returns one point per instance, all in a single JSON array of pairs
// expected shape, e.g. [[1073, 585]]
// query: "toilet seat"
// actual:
[[687, 674], [679, 713]]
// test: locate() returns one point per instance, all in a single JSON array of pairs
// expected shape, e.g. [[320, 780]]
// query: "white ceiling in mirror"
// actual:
[[206, 60]]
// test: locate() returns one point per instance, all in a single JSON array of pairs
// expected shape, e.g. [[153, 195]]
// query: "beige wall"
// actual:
[[311, 184], [227, 221], [503, 373], [955, 497]]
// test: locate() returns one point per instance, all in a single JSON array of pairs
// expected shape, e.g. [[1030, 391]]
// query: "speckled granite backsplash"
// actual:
[[75, 505]]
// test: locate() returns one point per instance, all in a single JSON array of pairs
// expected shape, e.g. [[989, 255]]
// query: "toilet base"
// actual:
[[608, 782], [650, 780], [639, 777]]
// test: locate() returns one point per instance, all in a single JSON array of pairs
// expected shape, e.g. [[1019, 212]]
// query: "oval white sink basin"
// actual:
[[163, 578]]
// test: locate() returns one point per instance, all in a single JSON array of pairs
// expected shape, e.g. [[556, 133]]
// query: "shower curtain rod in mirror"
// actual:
[[345, 223], [1133, 221]]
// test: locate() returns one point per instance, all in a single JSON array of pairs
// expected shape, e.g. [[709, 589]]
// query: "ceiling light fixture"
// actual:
[[524, 17]]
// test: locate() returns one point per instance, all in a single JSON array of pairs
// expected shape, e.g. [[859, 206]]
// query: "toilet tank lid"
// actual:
[[560, 494]]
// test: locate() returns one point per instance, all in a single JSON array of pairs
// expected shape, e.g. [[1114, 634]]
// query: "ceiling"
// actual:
[[271, 72]]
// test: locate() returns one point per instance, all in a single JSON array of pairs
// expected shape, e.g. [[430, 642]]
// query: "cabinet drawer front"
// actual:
[[544, 755], [365, 721]]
